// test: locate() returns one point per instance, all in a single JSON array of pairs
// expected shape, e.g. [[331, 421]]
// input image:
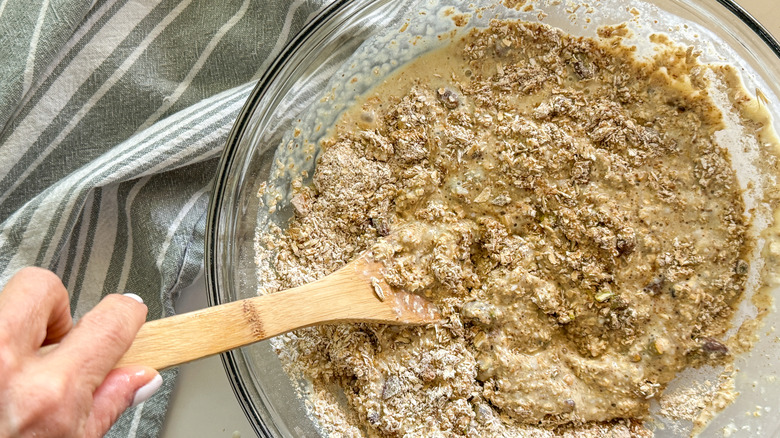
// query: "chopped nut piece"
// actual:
[[382, 226], [603, 295], [742, 267], [714, 347], [626, 241], [391, 388], [301, 203], [661, 345], [583, 70], [448, 97], [377, 289]]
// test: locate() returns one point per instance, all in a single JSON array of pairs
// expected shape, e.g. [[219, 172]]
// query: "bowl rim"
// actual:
[[741, 13], [231, 359]]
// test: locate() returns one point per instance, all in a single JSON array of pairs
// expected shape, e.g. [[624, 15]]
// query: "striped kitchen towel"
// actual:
[[113, 116]]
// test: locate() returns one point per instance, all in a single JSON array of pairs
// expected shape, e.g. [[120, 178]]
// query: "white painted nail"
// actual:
[[135, 297], [145, 392]]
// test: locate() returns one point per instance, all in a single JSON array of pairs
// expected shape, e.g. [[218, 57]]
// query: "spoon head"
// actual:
[[389, 305]]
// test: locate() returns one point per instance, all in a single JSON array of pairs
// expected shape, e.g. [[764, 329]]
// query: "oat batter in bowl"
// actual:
[[565, 204]]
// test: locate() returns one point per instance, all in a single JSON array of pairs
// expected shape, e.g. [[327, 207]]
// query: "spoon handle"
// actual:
[[182, 338], [355, 293], [186, 337]]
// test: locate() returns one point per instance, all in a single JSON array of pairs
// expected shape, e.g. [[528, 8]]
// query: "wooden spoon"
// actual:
[[355, 293]]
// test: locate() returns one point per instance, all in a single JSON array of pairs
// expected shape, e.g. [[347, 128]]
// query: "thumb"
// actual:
[[121, 389]]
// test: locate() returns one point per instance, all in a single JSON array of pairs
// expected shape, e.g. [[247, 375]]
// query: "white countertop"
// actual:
[[203, 403]]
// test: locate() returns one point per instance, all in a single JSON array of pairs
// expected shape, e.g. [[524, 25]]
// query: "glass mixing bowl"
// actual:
[[352, 45]]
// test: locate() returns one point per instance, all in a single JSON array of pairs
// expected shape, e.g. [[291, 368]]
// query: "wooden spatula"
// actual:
[[355, 293]]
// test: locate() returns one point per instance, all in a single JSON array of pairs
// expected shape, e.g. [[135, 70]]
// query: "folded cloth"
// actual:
[[113, 116]]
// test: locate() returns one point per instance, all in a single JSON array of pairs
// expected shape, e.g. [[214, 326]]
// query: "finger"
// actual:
[[122, 388], [101, 338], [34, 309]]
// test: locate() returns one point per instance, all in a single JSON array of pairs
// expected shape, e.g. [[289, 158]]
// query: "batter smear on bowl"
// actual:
[[565, 205]]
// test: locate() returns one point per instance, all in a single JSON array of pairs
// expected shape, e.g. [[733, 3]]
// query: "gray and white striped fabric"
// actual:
[[113, 117]]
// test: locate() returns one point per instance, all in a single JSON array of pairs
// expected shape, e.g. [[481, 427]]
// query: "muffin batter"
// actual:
[[564, 204]]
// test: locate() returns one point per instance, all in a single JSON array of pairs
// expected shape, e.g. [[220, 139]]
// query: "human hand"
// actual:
[[71, 390]]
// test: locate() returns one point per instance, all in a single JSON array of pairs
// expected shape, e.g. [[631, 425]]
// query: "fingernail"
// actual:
[[135, 297], [145, 392]]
